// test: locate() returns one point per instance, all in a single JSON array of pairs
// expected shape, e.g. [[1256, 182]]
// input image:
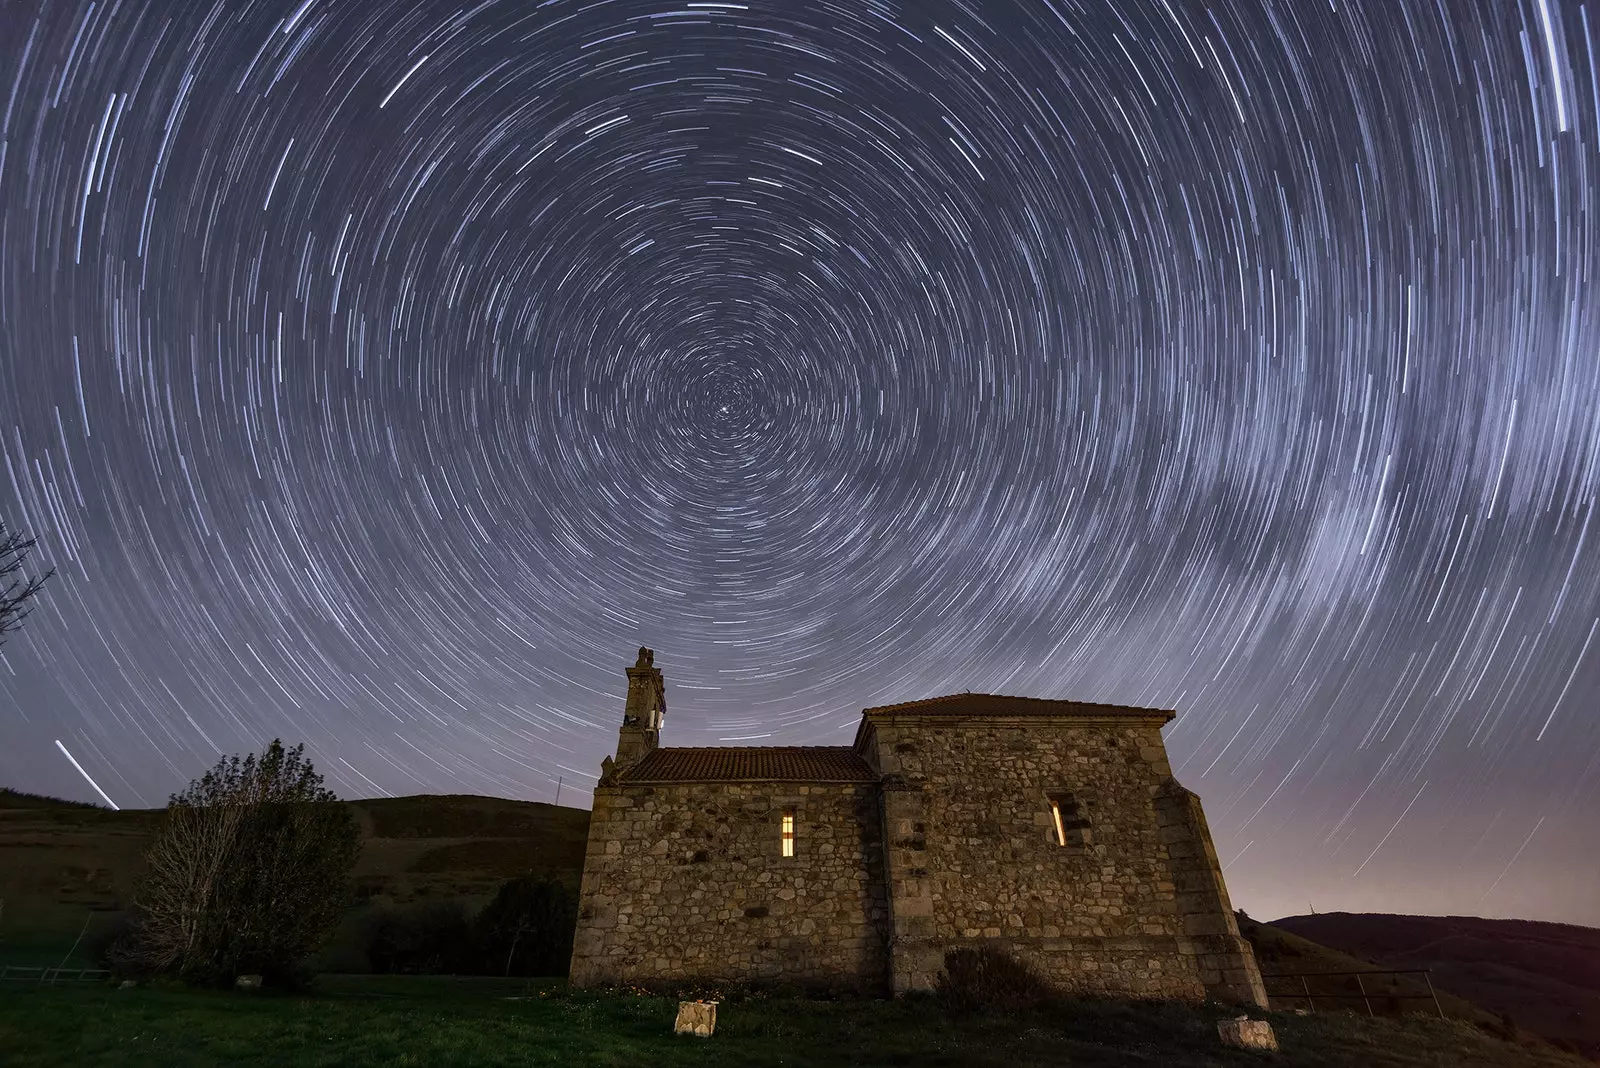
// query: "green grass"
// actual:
[[350, 1021]]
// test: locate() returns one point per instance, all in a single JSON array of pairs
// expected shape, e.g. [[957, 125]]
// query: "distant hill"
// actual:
[[10, 798], [1284, 957], [65, 864], [1545, 976]]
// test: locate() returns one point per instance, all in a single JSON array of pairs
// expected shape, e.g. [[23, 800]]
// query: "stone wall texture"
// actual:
[[686, 883], [954, 845], [973, 856]]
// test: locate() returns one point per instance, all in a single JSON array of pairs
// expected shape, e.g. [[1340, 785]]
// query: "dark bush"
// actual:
[[100, 942], [988, 980], [421, 938], [248, 873], [528, 928]]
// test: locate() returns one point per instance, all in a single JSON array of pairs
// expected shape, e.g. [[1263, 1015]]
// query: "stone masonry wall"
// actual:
[[687, 883], [972, 854], [1225, 960]]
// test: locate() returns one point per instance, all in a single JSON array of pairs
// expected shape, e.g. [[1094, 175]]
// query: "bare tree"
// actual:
[[16, 589], [249, 873]]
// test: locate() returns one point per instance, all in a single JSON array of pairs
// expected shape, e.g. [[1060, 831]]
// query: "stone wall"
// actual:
[[973, 856], [686, 883], [1226, 963]]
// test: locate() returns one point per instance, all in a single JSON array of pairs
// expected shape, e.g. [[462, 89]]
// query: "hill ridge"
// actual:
[[1541, 974]]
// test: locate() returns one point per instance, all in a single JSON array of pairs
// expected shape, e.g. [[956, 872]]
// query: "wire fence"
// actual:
[[17, 973], [1339, 998]]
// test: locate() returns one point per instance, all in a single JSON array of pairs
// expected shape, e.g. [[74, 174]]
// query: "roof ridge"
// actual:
[[740, 748], [1010, 697]]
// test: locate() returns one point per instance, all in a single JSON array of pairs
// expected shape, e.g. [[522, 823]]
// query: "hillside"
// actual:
[[64, 864], [1281, 953], [10, 798], [1545, 976]]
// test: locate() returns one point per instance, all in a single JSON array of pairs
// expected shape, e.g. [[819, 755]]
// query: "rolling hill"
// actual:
[[1544, 976], [68, 868]]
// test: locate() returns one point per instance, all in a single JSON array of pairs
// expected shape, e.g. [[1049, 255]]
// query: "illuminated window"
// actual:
[[1069, 820], [788, 834]]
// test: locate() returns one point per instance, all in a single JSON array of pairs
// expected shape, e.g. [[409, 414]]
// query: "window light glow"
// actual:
[[788, 834], [1055, 814]]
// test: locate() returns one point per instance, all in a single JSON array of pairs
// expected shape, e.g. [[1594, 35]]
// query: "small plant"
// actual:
[[988, 980]]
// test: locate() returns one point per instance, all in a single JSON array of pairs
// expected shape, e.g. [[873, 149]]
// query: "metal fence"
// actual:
[[16, 973], [1363, 993]]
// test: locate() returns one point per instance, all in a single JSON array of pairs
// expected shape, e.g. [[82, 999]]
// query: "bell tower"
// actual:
[[642, 715]]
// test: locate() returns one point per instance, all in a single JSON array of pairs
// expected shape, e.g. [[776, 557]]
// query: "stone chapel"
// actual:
[[1051, 828]]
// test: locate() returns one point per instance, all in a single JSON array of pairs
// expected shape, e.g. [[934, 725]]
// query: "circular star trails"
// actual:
[[380, 375]]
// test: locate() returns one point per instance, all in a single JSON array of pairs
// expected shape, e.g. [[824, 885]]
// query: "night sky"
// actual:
[[383, 374]]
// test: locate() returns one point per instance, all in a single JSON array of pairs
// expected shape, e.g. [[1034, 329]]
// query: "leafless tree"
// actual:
[[249, 873], [16, 589]]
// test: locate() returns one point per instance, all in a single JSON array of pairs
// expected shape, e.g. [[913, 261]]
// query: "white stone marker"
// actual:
[[1245, 1033], [696, 1018]]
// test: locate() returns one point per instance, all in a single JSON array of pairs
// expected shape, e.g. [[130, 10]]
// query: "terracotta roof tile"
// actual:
[[990, 704], [801, 763]]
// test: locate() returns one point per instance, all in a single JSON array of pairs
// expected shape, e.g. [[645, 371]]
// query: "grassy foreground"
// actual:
[[358, 1021]]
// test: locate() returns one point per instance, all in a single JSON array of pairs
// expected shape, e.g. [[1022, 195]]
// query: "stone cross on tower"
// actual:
[[642, 715]]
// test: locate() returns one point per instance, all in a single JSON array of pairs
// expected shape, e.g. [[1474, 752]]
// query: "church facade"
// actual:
[[1053, 829]]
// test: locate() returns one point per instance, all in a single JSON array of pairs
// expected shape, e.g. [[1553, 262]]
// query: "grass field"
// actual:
[[359, 1021], [65, 865]]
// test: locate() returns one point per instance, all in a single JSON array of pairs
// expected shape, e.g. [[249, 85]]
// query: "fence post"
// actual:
[[1431, 993], [1361, 988], [1311, 1006]]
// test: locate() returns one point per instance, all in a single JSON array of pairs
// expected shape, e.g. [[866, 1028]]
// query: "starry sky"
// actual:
[[381, 375]]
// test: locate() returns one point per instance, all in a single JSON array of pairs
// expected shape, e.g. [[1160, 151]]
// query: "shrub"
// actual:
[[421, 938], [101, 941], [248, 873], [986, 979], [528, 928]]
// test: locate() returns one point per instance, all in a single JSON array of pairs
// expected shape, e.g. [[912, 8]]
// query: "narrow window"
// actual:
[[1069, 820], [788, 834]]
